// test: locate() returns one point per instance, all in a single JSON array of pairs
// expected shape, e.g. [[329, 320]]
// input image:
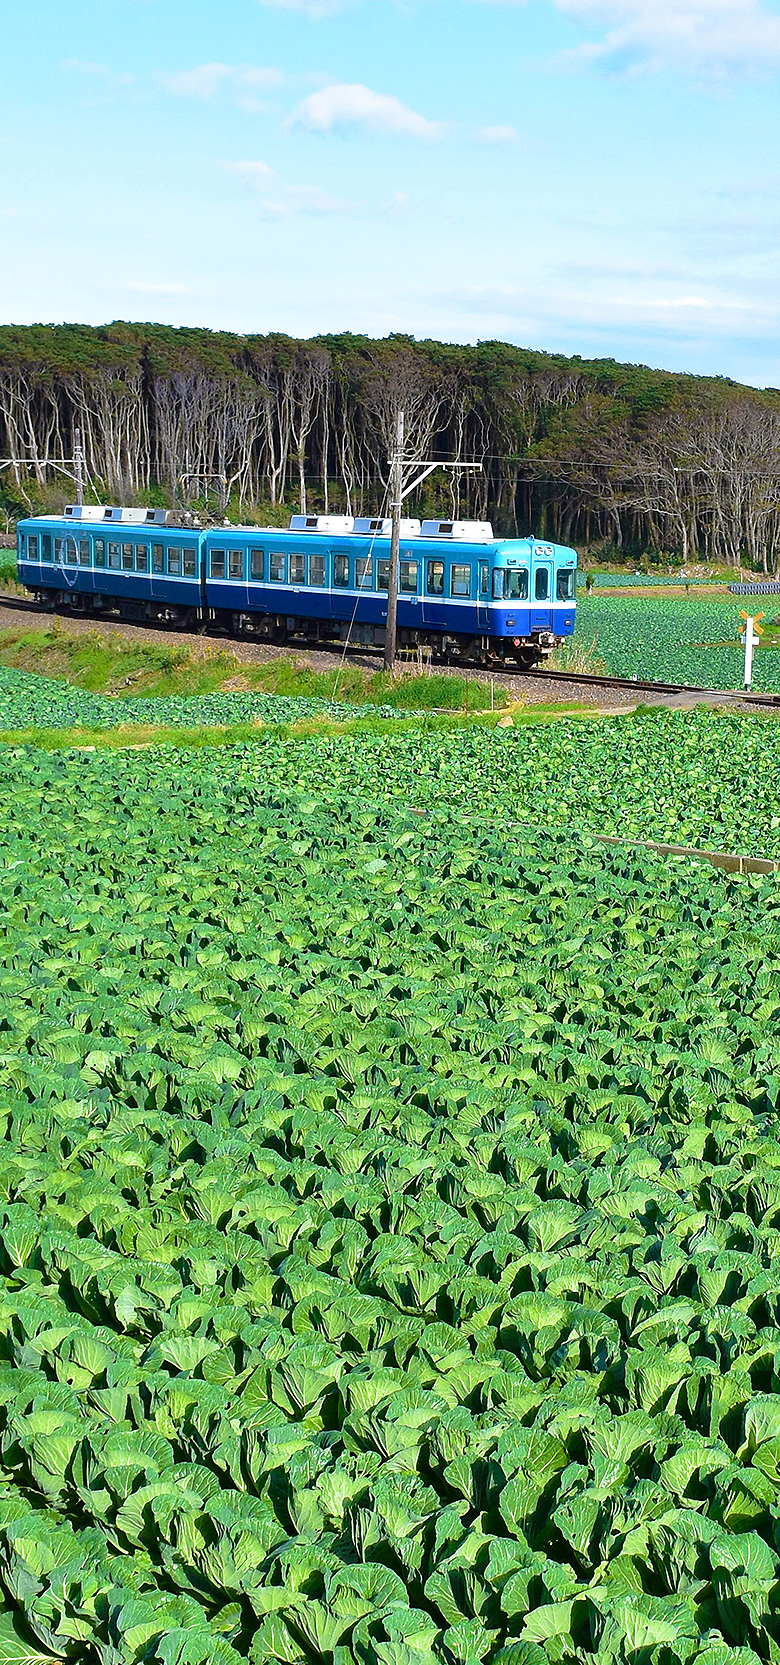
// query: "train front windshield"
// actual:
[[564, 588]]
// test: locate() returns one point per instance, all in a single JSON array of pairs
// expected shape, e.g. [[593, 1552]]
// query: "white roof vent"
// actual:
[[85, 511], [129, 517], [467, 531], [132, 517], [321, 523], [384, 528]]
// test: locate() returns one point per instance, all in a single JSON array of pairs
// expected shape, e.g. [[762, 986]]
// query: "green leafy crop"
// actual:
[[389, 1214], [674, 640], [32, 701]]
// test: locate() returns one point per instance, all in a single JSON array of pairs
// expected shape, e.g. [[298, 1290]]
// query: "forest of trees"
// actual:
[[586, 452]]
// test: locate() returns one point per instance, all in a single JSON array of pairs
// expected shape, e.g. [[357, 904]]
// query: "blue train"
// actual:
[[461, 591]]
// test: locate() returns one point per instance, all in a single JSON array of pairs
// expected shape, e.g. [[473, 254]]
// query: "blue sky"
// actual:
[[585, 176]]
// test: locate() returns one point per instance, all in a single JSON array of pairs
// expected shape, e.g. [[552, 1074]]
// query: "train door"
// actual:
[[409, 603], [342, 601], [483, 595], [434, 609], [541, 596]]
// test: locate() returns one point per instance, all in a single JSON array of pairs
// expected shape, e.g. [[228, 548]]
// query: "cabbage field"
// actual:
[[686, 777], [674, 639], [697, 778], [389, 1215], [32, 701]]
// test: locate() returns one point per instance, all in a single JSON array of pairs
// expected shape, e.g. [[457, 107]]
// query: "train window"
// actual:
[[158, 558], [99, 547], [484, 584], [127, 557], [317, 569], [382, 574], [541, 584], [46, 546], [217, 563], [84, 555], [564, 584], [256, 559], [407, 577], [70, 554], [32, 547], [363, 573], [189, 563], [277, 566], [142, 557], [297, 569], [435, 578], [174, 562], [516, 584], [236, 563], [341, 572], [114, 557], [460, 580], [58, 549]]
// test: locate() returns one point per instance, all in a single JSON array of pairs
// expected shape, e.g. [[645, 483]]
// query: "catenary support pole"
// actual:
[[396, 495], [78, 459]]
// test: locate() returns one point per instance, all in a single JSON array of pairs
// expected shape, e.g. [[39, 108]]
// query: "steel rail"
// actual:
[[638, 684]]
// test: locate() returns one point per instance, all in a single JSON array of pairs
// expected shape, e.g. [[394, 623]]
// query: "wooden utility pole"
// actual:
[[396, 500]]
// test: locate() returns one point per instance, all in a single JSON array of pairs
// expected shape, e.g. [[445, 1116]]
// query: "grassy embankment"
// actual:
[[111, 663], [122, 666]]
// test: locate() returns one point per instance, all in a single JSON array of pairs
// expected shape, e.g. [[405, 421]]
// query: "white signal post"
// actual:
[[750, 637]]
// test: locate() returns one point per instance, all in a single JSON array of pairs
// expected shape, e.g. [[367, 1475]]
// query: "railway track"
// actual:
[[638, 684], [630, 685]]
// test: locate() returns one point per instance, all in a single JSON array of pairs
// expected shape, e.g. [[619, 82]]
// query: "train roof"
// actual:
[[454, 533]]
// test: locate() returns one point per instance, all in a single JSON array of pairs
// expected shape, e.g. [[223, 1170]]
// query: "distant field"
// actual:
[[674, 639], [644, 580]]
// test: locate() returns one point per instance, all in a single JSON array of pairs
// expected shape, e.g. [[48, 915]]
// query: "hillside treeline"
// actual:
[[586, 452]]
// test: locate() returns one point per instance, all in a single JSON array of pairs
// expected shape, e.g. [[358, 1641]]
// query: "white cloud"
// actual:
[[310, 8], [614, 304], [278, 201], [355, 106], [202, 82], [206, 80], [498, 135], [699, 36], [287, 200], [251, 171], [110, 78], [84, 66], [139, 288]]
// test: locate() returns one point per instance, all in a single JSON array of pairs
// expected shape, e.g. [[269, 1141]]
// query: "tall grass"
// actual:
[[579, 656], [8, 579]]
